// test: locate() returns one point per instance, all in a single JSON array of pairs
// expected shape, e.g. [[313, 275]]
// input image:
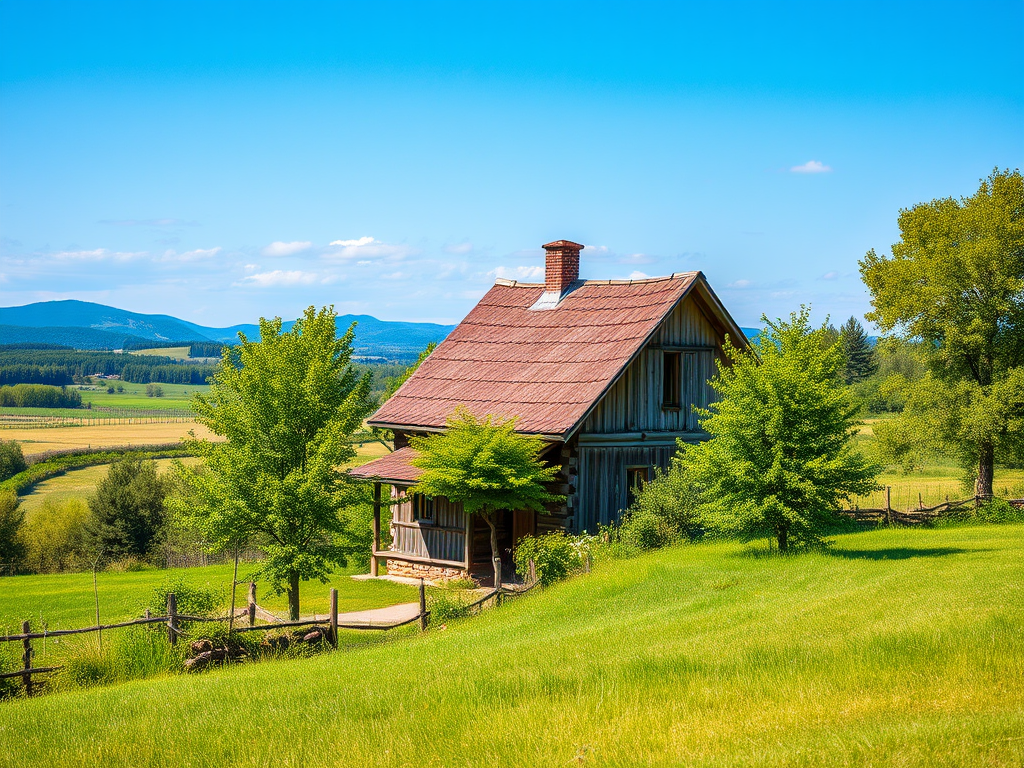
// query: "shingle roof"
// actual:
[[545, 367], [395, 467]]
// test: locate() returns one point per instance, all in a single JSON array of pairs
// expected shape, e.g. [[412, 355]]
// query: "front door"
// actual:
[[524, 523]]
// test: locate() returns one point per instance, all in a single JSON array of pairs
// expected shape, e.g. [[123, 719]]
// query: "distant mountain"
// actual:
[[85, 325]]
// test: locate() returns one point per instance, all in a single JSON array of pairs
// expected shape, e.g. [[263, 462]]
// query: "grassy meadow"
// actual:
[[65, 600], [897, 647]]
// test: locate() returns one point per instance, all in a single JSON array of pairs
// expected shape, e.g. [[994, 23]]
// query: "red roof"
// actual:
[[395, 467], [547, 367]]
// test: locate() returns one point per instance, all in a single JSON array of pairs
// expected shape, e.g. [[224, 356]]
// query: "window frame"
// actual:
[[671, 379], [634, 470], [421, 507]]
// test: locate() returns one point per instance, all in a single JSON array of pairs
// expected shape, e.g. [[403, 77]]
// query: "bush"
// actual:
[[448, 605], [56, 537], [12, 518], [39, 396], [191, 599], [12, 460], [154, 390], [128, 509], [992, 511], [555, 556], [664, 510], [128, 654]]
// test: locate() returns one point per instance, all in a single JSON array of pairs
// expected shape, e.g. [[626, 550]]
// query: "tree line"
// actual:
[[63, 367], [39, 396]]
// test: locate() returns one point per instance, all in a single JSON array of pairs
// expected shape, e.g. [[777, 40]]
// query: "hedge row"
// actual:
[[59, 462]]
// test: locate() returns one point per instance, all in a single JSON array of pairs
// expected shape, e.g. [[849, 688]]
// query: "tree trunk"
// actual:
[[293, 595], [489, 518], [986, 460], [782, 533]]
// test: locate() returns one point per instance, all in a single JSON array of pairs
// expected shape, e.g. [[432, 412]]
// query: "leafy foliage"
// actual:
[[287, 405], [56, 536], [485, 465], [956, 281], [12, 460], [12, 517], [128, 509], [39, 396], [664, 510], [779, 460], [555, 555]]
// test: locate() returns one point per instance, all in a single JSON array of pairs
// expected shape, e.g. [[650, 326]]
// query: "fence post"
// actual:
[[533, 572], [252, 603], [26, 659], [423, 606], [888, 505], [334, 617], [172, 618]]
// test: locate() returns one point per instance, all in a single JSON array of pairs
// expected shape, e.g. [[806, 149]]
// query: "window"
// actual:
[[671, 388], [422, 508], [637, 477]]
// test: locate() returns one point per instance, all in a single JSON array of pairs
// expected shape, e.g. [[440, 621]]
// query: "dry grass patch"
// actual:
[[40, 440]]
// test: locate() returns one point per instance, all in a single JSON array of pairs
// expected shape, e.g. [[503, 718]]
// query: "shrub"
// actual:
[[128, 654], [56, 537], [555, 556], [12, 518], [12, 460], [448, 605], [993, 511], [663, 511], [191, 599]]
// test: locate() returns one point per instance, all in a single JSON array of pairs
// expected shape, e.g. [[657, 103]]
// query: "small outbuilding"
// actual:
[[606, 371]]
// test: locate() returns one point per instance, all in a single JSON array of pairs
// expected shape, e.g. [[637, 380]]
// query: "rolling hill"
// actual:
[[86, 325]]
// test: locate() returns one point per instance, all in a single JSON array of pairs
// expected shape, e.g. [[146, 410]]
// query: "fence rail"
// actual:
[[172, 620], [919, 516]]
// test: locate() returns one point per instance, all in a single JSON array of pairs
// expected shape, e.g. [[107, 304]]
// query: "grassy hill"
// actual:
[[896, 648]]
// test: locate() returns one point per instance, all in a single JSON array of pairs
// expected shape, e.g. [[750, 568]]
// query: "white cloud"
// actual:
[[518, 273], [394, 276], [636, 258], [364, 263], [460, 248], [99, 254], [829, 276], [279, 277], [251, 267], [197, 255], [354, 243], [367, 248], [278, 248], [596, 249], [742, 283], [638, 275], [811, 166]]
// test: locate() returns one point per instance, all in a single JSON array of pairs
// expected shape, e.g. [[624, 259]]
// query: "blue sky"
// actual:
[[222, 161]]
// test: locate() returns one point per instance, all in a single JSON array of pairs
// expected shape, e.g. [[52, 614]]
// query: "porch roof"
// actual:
[[394, 468]]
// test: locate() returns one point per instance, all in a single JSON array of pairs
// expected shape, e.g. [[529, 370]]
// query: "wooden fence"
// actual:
[[173, 620], [919, 516]]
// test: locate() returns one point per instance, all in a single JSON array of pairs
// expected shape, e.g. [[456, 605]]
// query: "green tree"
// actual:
[[128, 509], [858, 352], [12, 517], [385, 436], [486, 466], [287, 406], [779, 460], [12, 460], [956, 281]]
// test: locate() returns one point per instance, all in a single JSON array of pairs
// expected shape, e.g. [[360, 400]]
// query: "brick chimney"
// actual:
[[562, 266]]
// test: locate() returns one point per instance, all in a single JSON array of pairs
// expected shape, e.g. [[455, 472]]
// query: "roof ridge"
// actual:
[[674, 276]]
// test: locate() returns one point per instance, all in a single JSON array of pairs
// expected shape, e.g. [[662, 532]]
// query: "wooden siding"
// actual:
[[603, 492], [634, 403], [444, 539]]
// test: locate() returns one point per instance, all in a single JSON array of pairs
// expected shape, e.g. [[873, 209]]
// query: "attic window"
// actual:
[[671, 387], [422, 508]]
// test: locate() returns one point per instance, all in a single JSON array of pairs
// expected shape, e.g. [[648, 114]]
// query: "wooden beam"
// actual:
[[376, 527], [390, 555]]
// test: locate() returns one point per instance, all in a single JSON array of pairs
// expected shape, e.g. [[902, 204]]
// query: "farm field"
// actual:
[[41, 439], [65, 600], [176, 396], [78, 483], [898, 647]]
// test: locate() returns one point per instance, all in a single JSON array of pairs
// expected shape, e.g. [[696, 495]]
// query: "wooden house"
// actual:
[[605, 371]]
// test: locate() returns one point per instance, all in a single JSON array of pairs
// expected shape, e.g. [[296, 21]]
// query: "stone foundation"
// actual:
[[424, 571]]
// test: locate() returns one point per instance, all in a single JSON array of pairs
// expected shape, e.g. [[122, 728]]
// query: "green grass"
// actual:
[[134, 396], [65, 600], [175, 353], [900, 647]]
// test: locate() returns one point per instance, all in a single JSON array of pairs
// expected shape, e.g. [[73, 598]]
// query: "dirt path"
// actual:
[[393, 614]]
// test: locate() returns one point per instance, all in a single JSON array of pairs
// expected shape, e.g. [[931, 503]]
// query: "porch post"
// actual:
[[376, 529], [468, 519]]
